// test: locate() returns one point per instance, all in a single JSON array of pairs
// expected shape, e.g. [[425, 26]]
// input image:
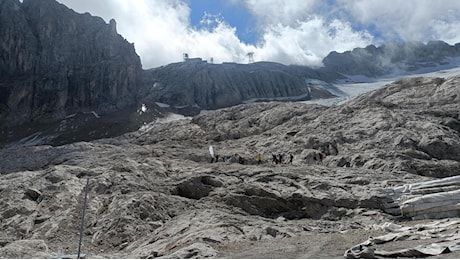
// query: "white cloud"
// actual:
[[291, 31], [161, 31], [310, 41], [419, 20]]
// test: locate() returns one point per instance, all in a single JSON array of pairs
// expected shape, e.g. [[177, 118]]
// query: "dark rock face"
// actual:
[[54, 62], [209, 86], [375, 61]]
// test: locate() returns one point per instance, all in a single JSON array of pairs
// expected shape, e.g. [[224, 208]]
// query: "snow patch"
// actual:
[[162, 105], [70, 116], [169, 118], [142, 109], [95, 114]]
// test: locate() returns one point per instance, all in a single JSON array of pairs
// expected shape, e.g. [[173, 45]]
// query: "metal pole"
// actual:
[[83, 218]]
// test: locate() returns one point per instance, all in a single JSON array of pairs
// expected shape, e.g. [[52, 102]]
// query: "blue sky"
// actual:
[[233, 14], [299, 32]]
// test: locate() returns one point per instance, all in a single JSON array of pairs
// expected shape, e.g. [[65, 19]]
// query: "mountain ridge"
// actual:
[[373, 61]]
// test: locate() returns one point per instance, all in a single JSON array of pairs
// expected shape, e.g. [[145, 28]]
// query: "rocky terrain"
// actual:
[[154, 193], [69, 80]]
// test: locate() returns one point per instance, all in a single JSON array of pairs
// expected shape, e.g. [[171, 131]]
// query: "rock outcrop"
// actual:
[[55, 62]]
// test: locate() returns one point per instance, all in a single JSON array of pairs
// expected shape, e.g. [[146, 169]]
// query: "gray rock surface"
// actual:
[[153, 192]]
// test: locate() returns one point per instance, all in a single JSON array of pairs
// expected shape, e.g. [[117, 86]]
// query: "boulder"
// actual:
[[27, 248], [33, 194]]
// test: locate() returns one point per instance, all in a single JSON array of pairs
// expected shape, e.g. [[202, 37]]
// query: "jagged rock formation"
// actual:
[[211, 86], [154, 193], [375, 61], [55, 62]]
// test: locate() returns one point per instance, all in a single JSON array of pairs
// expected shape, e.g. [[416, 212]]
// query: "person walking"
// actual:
[[274, 160]]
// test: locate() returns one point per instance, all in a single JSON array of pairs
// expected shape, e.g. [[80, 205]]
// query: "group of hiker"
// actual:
[[276, 159], [227, 159], [315, 157]]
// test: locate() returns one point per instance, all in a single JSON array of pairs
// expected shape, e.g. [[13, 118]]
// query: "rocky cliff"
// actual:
[[55, 62], [391, 58], [210, 86]]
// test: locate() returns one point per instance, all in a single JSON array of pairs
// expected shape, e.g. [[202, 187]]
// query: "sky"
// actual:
[[300, 32]]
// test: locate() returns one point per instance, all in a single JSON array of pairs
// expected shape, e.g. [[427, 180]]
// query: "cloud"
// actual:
[[409, 20], [308, 42], [161, 30], [294, 32], [290, 31]]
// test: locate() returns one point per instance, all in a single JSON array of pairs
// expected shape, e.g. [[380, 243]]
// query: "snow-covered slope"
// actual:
[[357, 85]]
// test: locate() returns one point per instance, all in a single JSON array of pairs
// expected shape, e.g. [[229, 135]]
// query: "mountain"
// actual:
[[210, 86], [196, 83], [392, 58], [55, 62], [154, 193]]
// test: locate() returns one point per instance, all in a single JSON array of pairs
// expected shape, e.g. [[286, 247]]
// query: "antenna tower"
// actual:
[[250, 57]]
